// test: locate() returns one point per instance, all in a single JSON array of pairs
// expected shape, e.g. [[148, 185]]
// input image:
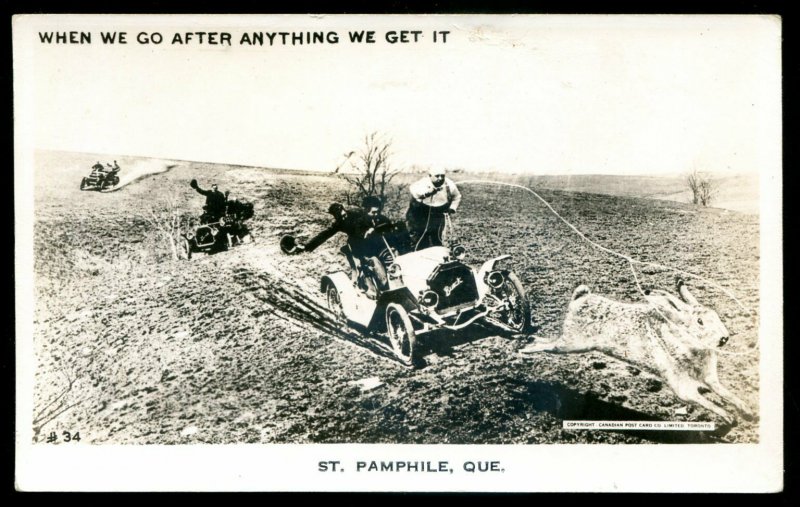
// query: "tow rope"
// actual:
[[631, 261]]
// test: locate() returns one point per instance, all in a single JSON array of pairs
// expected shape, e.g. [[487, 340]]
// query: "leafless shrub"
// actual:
[[367, 170], [166, 218], [57, 405], [703, 186]]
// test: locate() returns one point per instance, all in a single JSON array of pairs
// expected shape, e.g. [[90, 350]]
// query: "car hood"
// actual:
[[417, 266]]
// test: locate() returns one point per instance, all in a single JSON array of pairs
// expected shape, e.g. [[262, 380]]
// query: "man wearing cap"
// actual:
[[349, 221], [432, 199], [215, 203]]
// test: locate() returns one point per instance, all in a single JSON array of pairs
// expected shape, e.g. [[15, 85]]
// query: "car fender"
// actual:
[[356, 306], [339, 280], [486, 267], [402, 296]]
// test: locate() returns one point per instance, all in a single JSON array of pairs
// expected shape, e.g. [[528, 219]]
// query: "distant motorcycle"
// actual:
[[101, 177]]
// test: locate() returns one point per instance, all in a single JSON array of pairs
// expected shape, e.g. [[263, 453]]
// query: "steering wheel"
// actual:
[[386, 257], [383, 228]]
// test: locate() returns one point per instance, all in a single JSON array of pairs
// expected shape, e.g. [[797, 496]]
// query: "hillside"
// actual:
[[232, 347]]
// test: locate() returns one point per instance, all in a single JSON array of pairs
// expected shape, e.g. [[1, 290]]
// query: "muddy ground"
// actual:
[[132, 346]]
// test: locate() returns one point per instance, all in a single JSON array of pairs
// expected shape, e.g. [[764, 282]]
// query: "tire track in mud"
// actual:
[[295, 304], [136, 173]]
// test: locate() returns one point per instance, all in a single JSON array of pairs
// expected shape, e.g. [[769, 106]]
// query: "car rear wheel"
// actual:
[[517, 314], [335, 303], [401, 334]]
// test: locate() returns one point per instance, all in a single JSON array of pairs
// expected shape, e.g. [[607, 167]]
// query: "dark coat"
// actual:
[[355, 225], [215, 202], [426, 224]]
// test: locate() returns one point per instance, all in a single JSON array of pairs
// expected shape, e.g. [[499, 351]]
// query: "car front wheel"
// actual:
[[401, 334], [516, 316]]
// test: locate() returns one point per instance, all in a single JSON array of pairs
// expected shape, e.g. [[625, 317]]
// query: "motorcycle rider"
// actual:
[[432, 199], [215, 203]]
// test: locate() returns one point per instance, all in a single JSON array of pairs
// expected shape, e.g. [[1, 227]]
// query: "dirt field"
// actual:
[[133, 347]]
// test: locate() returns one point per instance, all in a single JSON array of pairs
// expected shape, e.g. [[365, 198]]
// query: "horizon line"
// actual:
[[455, 170]]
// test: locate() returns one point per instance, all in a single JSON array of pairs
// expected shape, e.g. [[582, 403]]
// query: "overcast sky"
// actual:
[[540, 94]]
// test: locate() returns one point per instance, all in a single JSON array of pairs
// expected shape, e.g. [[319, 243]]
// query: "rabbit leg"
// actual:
[[685, 389], [712, 381], [555, 346]]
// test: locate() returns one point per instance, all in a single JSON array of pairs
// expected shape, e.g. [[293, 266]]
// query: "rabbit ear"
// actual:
[[670, 298], [669, 306], [580, 291], [687, 296]]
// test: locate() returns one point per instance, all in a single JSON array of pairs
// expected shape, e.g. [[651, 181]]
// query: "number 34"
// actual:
[[71, 437]]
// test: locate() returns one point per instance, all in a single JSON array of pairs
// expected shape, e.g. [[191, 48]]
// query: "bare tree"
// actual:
[[367, 170], [703, 186]]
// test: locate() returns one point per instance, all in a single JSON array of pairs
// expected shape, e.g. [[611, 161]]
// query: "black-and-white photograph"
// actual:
[[504, 230]]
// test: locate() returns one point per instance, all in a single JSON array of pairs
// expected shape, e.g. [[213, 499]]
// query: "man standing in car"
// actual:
[[215, 203], [432, 199]]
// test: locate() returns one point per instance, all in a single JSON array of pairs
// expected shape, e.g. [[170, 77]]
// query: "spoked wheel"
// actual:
[[387, 256], [401, 334], [516, 317], [84, 184], [335, 304], [186, 249]]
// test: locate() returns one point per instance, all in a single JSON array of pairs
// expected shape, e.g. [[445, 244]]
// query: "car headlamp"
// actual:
[[395, 271], [429, 299], [495, 279], [458, 252], [189, 235]]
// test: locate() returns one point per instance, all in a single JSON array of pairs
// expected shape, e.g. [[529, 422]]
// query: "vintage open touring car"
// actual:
[[227, 232], [427, 290], [101, 177]]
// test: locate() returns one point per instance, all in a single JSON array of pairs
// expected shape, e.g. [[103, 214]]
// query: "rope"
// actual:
[[427, 222], [449, 228], [631, 261]]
